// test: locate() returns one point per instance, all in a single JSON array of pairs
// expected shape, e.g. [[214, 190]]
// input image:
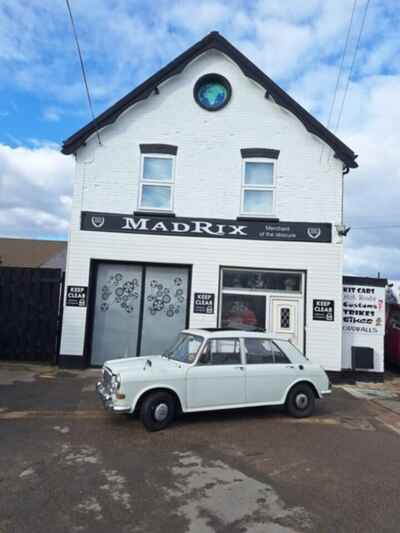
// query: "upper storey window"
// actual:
[[258, 187], [157, 182]]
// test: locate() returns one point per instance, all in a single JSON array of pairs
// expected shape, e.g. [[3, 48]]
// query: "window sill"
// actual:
[[255, 218], [149, 213]]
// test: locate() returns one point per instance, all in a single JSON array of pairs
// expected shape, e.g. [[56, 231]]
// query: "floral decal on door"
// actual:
[[119, 291], [167, 300]]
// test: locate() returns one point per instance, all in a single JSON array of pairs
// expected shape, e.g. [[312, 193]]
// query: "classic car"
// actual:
[[208, 369]]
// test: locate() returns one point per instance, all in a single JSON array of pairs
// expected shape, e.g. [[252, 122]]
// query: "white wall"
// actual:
[[208, 181]]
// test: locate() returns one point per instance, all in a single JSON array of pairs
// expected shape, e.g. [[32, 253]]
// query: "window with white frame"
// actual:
[[157, 182], [258, 187]]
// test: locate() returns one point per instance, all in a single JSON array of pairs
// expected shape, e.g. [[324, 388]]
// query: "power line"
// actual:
[[352, 64], [82, 69], [341, 63]]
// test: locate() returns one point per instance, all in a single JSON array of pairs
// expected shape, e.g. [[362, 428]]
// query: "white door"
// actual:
[[269, 373], [218, 379], [287, 320]]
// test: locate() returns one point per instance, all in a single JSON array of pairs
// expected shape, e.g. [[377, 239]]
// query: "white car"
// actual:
[[210, 369]]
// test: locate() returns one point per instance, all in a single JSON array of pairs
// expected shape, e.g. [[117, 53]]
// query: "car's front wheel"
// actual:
[[157, 410], [300, 401]]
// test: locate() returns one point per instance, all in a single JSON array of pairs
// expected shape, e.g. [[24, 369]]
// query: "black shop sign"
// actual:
[[214, 228], [324, 310], [203, 303], [76, 296]]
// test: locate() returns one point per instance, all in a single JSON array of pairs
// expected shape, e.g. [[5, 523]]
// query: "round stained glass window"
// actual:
[[212, 92]]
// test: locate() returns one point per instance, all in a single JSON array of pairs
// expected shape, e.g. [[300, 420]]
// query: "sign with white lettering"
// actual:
[[203, 303], [364, 309], [324, 310], [214, 228], [76, 296]]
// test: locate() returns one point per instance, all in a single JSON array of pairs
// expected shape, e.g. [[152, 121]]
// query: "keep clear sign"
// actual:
[[324, 310], [76, 296], [203, 303]]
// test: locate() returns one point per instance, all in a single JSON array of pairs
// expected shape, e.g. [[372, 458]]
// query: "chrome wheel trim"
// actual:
[[161, 412], [301, 400]]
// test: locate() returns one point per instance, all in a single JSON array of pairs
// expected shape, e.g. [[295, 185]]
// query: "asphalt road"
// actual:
[[67, 466]]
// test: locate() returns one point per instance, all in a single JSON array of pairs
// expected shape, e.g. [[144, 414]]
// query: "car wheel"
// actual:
[[300, 401], [157, 411]]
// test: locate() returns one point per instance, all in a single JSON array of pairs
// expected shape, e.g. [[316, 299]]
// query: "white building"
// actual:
[[207, 198]]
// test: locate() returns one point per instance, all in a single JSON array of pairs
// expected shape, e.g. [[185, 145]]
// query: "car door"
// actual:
[[218, 379], [269, 372]]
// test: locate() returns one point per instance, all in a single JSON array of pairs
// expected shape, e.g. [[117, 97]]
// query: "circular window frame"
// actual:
[[209, 78]]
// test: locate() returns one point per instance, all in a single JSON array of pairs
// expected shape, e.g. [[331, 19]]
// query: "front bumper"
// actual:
[[107, 400]]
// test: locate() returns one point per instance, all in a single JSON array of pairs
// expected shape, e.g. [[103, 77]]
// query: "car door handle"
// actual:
[[289, 366], [239, 367]]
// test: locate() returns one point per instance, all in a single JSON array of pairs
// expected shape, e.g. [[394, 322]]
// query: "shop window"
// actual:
[[221, 352], [157, 183], [262, 280], [243, 311], [258, 188]]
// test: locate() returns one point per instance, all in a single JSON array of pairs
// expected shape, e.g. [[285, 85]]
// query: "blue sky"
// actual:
[[296, 42]]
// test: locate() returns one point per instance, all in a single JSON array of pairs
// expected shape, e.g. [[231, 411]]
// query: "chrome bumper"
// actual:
[[107, 401]]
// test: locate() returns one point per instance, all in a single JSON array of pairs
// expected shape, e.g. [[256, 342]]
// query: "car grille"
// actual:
[[107, 379]]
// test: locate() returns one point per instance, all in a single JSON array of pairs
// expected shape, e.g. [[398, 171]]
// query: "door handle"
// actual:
[[289, 366], [239, 367]]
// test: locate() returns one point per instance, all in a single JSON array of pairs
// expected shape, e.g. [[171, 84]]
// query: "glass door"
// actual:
[[164, 308], [116, 311]]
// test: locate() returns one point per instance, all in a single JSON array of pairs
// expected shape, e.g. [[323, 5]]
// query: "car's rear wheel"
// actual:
[[300, 401], [157, 410]]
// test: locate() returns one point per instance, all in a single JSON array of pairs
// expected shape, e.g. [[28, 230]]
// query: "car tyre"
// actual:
[[300, 401], [157, 411]]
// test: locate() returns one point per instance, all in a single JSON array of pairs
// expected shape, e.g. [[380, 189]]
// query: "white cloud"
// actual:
[[35, 191]]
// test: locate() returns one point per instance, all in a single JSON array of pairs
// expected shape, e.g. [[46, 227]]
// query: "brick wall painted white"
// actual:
[[208, 181]]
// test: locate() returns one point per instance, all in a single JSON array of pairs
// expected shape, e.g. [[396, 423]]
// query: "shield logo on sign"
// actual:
[[98, 222], [314, 233]]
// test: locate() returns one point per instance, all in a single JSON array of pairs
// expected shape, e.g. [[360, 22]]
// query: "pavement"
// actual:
[[66, 465]]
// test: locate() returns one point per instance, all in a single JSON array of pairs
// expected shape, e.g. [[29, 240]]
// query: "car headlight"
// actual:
[[115, 382]]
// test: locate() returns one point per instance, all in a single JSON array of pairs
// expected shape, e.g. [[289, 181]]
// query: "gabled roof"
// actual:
[[213, 41]]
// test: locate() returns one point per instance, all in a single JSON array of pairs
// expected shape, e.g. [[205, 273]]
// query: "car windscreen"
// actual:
[[185, 348], [293, 353]]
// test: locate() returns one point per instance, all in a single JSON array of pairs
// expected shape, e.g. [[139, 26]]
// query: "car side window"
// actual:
[[280, 357], [221, 352], [262, 352]]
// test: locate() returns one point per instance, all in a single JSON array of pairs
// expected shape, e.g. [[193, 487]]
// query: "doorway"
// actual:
[[138, 309]]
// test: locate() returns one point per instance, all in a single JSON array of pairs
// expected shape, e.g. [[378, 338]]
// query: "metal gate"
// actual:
[[30, 313]]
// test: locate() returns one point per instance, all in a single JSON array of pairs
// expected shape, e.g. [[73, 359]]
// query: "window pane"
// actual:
[[156, 197], [253, 279], [258, 174], [243, 311], [221, 352], [280, 358], [258, 351], [257, 201], [157, 168], [285, 317]]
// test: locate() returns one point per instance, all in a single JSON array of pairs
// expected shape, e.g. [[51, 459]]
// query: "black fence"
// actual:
[[30, 313]]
